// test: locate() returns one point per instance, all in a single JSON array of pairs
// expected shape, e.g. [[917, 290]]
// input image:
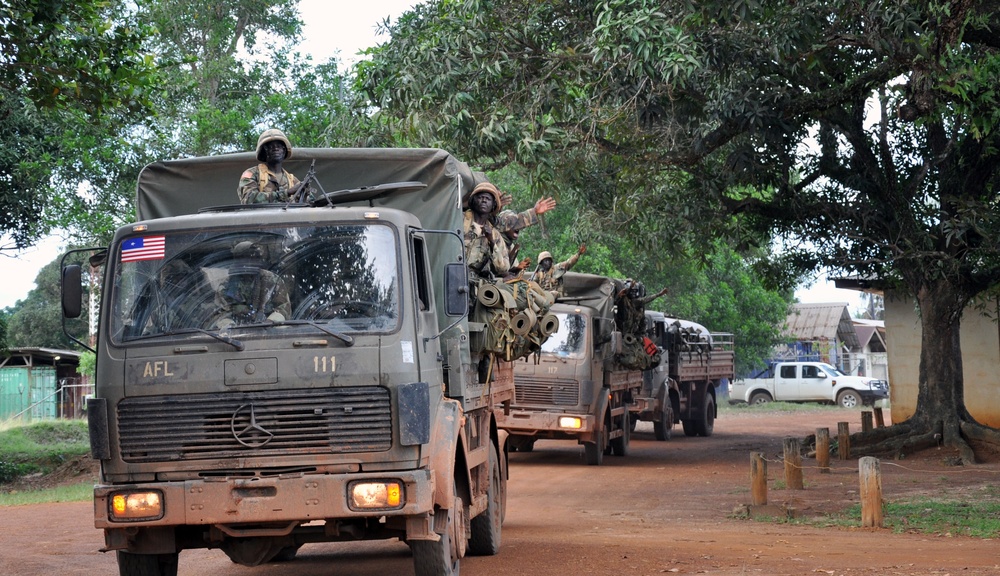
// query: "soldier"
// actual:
[[632, 300], [511, 223], [269, 181], [550, 277], [251, 293], [485, 250]]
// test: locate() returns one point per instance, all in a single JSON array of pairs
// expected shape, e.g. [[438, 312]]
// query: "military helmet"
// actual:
[[271, 135], [543, 255], [488, 187]]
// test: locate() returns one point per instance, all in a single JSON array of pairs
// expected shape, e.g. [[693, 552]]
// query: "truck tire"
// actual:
[[440, 558], [594, 451], [690, 427], [147, 564], [759, 398], [705, 423], [848, 399], [662, 426], [486, 528]]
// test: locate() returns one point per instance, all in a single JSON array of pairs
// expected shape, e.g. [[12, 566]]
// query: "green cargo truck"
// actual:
[[337, 399]]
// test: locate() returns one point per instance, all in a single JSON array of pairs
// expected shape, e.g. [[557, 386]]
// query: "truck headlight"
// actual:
[[146, 505], [374, 495], [570, 422]]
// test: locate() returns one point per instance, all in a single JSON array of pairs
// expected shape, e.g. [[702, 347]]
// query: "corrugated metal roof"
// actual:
[[808, 322]]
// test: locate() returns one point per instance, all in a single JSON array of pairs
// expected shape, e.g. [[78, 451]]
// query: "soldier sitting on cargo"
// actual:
[[550, 277], [485, 250], [269, 181], [251, 293]]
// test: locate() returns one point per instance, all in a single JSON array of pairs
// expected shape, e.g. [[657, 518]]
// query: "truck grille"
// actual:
[[198, 426], [546, 392]]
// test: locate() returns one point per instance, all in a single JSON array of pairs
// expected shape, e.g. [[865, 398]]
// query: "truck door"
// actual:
[[786, 381], [813, 384]]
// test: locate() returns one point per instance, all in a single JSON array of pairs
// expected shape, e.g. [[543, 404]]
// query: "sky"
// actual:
[[329, 30]]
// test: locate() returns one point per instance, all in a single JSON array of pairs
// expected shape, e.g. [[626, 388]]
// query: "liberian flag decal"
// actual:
[[144, 248]]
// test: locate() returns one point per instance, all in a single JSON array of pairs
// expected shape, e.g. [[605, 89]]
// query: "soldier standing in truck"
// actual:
[[485, 249], [269, 181], [549, 277]]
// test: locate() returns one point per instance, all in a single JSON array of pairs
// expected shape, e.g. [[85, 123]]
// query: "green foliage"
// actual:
[[37, 320], [66, 69], [42, 446], [88, 364], [4, 347]]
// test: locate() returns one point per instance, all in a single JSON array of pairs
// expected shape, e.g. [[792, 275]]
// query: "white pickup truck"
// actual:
[[809, 382]]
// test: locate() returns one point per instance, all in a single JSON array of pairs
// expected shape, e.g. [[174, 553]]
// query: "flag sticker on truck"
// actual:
[[143, 248]]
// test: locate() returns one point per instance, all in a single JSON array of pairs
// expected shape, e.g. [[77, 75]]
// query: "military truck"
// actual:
[[575, 388], [273, 375], [681, 388]]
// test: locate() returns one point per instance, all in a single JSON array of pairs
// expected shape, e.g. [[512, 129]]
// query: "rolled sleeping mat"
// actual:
[[548, 325], [522, 322], [489, 295]]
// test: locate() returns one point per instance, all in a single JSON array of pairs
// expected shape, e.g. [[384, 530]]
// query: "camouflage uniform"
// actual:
[[509, 220], [551, 279], [254, 295], [481, 259], [259, 185]]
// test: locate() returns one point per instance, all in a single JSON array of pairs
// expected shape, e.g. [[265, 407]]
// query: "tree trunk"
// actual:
[[941, 390]]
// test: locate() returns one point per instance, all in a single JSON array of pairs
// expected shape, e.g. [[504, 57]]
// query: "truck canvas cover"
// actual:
[[184, 186], [597, 292]]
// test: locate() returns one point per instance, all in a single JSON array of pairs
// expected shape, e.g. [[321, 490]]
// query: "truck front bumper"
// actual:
[[547, 424], [289, 499]]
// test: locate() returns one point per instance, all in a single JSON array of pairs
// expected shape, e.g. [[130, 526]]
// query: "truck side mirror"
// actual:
[[456, 289], [72, 291]]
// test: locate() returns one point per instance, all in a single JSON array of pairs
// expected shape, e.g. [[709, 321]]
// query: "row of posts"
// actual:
[[869, 469]]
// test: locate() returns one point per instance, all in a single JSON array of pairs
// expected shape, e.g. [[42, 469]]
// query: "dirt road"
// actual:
[[664, 509]]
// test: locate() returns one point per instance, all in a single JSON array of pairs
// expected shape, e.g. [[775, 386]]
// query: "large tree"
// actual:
[[68, 71], [861, 135]]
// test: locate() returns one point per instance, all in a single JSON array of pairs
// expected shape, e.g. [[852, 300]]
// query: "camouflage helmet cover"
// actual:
[[488, 187], [271, 135], [543, 255]]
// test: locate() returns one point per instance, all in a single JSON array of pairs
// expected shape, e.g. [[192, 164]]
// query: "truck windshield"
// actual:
[[345, 278], [831, 370], [570, 339]]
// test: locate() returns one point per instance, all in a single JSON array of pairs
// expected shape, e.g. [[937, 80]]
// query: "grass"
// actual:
[[40, 446], [978, 519], [75, 493]]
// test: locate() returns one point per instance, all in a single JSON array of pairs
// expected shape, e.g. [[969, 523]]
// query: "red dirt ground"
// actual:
[[666, 508]]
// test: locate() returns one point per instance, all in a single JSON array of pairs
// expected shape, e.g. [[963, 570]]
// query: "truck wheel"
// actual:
[[759, 398], [705, 424], [440, 558], [595, 450], [619, 446], [848, 399], [147, 564], [486, 527], [690, 427], [662, 426]]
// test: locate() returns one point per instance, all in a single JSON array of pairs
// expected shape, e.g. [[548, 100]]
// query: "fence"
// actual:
[[33, 393]]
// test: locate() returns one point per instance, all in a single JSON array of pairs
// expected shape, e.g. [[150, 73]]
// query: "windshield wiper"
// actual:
[[226, 339], [347, 340]]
